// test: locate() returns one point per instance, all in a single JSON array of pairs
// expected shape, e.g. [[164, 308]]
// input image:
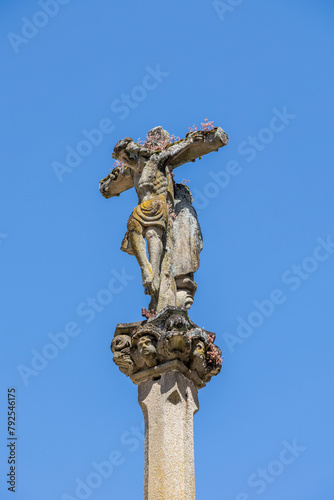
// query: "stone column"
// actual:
[[169, 405], [169, 358]]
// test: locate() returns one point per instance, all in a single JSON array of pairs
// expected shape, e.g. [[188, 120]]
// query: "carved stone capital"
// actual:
[[144, 350]]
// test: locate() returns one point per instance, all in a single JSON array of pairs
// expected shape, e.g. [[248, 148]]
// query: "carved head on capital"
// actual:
[[177, 322], [198, 349], [121, 348], [198, 355], [145, 342]]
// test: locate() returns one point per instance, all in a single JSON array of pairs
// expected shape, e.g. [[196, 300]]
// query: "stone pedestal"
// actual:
[[169, 358], [168, 406]]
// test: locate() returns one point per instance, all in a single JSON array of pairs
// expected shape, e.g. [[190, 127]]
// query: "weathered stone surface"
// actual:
[[167, 336], [166, 355], [155, 372], [168, 405], [164, 216], [187, 245]]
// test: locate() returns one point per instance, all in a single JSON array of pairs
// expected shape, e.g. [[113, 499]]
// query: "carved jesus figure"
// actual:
[[149, 169]]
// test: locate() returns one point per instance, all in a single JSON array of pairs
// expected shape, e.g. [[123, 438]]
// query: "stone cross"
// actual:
[[167, 355], [164, 217]]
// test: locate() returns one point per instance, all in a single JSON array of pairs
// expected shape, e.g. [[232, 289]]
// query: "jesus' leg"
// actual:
[[153, 237], [138, 246]]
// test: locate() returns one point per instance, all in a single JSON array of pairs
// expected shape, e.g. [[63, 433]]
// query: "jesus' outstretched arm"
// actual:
[[195, 145]]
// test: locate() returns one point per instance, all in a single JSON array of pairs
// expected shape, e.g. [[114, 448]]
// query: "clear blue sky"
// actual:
[[263, 71]]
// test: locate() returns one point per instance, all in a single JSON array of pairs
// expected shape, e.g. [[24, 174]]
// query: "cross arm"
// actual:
[[120, 179], [195, 145]]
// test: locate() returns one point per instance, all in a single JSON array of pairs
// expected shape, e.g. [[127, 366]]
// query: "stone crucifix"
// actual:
[[164, 215], [167, 355]]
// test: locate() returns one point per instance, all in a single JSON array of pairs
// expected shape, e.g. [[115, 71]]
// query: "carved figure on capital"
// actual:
[[121, 349], [144, 343]]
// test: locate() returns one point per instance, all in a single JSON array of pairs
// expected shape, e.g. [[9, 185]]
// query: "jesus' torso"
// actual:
[[150, 181]]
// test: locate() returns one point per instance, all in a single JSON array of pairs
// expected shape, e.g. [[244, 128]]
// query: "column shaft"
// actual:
[[169, 405]]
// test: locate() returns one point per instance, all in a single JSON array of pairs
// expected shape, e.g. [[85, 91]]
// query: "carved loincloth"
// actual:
[[150, 213]]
